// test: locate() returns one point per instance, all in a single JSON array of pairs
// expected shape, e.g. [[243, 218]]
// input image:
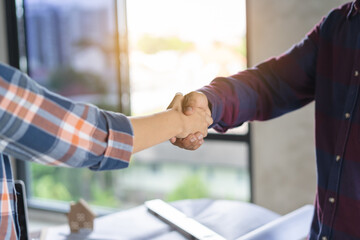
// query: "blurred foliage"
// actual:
[[46, 187], [191, 188], [150, 45], [103, 197], [98, 187], [72, 184], [67, 79]]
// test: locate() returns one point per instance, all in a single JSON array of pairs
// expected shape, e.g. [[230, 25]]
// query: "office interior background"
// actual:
[[179, 46]]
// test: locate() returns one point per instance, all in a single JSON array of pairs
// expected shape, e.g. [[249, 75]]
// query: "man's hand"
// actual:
[[190, 102]]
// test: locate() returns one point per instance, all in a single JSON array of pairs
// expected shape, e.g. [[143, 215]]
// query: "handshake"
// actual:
[[195, 116], [186, 122]]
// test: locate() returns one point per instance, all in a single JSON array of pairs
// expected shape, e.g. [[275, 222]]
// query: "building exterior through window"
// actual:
[[137, 54]]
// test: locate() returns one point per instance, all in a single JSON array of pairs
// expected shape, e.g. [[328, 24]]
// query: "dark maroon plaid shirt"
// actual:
[[325, 68]]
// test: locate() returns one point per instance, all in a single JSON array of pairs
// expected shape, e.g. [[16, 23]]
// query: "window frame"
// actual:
[[22, 169]]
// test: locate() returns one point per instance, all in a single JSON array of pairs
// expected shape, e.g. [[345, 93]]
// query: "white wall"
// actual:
[[283, 148], [3, 50]]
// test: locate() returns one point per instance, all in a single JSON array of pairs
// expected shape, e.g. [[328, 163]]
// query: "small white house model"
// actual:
[[81, 217]]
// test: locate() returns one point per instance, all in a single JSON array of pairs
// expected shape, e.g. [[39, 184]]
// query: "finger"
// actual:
[[196, 146], [188, 111], [173, 140], [204, 132], [195, 100], [208, 111], [178, 143], [209, 120], [181, 143], [178, 97], [193, 143], [190, 138], [199, 136], [189, 103], [187, 143]]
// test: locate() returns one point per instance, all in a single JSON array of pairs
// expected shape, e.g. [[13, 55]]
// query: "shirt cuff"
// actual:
[[215, 102], [119, 143]]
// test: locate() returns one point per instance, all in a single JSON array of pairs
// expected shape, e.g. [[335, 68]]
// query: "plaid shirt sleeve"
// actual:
[[41, 126], [268, 90]]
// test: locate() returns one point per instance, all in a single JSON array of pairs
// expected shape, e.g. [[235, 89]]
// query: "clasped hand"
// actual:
[[196, 117]]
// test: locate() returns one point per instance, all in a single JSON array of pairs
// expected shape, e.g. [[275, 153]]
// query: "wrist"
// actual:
[[178, 118]]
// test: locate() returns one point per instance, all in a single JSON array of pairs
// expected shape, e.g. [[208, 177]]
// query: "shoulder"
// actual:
[[336, 21], [339, 13], [337, 16]]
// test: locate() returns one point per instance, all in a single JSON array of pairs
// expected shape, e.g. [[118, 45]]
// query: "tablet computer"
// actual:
[[22, 209]]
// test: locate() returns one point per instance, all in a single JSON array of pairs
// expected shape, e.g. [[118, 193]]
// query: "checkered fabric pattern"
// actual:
[[324, 67], [40, 126]]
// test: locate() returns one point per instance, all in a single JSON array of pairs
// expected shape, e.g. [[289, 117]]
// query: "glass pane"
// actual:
[[72, 51], [219, 169], [181, 46], [71, 48]]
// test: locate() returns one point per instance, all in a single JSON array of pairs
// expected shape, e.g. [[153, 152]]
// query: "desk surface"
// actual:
[[230, 219]]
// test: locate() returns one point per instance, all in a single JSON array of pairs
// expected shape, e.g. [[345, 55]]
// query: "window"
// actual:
[[180, 47], [133, 56]]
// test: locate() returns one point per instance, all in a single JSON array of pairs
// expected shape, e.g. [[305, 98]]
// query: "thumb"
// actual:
[[178, 97], [188, 111], [193, 100]]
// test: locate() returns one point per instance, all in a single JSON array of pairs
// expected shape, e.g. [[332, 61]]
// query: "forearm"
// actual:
[[154, 129], [274, 87]]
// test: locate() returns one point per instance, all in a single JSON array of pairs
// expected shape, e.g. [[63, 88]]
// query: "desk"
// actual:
[[230, 219]]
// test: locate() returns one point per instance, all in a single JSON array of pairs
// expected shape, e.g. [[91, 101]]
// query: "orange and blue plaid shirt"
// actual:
[[40, 126]]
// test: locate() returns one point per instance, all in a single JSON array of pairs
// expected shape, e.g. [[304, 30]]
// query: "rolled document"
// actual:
[[292, 226]]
